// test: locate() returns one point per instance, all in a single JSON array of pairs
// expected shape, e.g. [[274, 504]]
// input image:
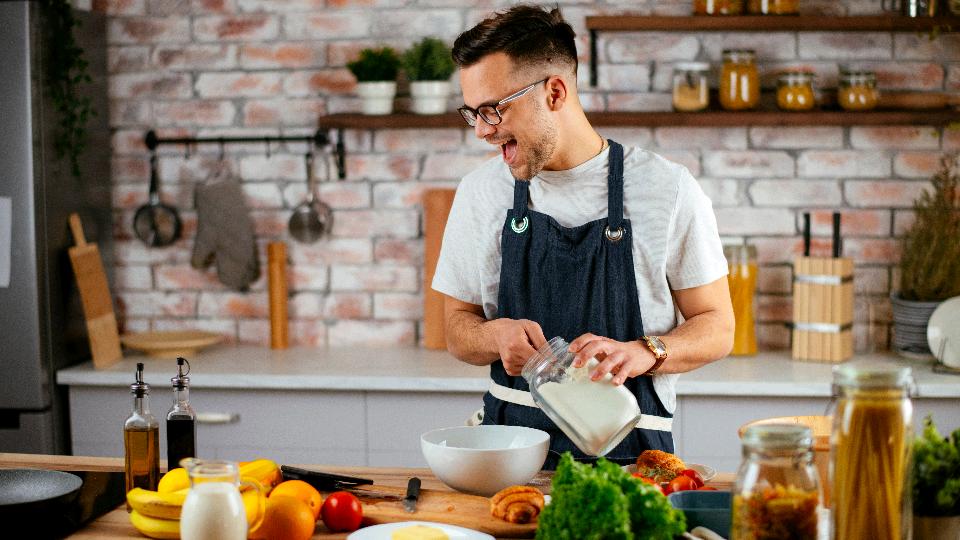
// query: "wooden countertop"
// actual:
[[116, 524]]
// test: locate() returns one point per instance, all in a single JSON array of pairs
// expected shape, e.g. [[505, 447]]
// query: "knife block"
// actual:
[[822, 309]]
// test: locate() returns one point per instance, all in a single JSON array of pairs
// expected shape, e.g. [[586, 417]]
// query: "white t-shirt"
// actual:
[[675, 240]]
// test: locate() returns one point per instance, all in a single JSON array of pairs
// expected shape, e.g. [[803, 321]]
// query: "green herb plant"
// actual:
[[375, 65], [930, 250], [66, 73], [936, 472], [428, 60], [603, 502]]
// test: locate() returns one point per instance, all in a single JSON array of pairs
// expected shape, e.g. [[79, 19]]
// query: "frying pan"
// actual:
[[312, 218], [25, 493], [155, 223]]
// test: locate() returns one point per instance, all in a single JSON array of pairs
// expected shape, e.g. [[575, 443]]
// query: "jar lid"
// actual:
[[691, 66], [740, 253], [790, 77], [734, 53], [778, 436], [872, 376]]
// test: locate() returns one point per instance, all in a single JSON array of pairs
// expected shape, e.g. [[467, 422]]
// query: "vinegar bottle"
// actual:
[[141, 439], [181, 420]]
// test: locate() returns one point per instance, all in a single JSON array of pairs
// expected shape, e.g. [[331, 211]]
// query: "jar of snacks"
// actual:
[[858, 90], [739, 82], [774, 7], [872, 434], [691, 92], [742, 278], [776, 493], [717, 7], [795, 91]]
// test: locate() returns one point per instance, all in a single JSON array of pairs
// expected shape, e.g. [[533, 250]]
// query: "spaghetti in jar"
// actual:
[[871, 442]]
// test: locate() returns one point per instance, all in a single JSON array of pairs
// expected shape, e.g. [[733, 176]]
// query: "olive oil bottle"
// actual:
[[141, 439], [181, 420]]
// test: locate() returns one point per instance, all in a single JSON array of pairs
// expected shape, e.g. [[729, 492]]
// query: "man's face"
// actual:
[[527, 136]]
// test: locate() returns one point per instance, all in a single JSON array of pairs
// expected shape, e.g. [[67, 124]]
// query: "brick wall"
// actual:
[[212, 67]]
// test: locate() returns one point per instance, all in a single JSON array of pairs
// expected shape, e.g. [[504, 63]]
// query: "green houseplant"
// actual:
[[936, 484], [428, 66], [929, 261], [376, 73]]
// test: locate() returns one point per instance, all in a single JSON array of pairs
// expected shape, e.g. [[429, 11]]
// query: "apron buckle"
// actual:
[[519, 229], [613, 236]]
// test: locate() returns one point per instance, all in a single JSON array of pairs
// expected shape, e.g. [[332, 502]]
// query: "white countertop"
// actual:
[[412, 369]]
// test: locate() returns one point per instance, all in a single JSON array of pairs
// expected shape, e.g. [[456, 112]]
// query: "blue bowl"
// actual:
[[710, 509]]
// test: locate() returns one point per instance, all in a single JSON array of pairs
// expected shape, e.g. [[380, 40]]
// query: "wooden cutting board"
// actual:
[[436, 209], [95, 296], [384, 505]]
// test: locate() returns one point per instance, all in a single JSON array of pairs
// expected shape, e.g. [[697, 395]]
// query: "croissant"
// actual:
[[517, 504]]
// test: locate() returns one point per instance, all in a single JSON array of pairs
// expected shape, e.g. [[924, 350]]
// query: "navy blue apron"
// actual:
[[572, 281]]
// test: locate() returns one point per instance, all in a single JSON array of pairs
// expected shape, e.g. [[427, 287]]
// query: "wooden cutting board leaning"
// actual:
[[436, 208], [95, 296]]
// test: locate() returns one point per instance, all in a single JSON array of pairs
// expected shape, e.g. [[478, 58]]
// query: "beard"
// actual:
[[533, 154]]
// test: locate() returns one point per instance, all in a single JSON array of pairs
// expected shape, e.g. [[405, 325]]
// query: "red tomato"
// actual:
[[682, 483], [695, 475], [647, 480], [341, 511]]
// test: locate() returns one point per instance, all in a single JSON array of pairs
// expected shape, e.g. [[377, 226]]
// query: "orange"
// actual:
[[299, 489], [286, 518]]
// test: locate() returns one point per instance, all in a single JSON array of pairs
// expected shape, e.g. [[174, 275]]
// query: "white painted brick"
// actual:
[[147, 304], [843, 163], [262, 195], [132, 277], [286, 112], [633, 101], [239, 84], [194, 112], [305, 305], [795, 193], [750, 221], [371, 333], [127, 59], [450, 167], [769, 46], [871, 280], [220, 29], [690, 160], [902, 221], [172, 277], [845, 45], [916, 164], [775, 279], [135, 252], [443, 23], [417, 140], [911, 46], [232, 304], [704, 138], [150, 85], [383, 166], [194, 57], [895, 137], [390, 250], [225, 327], [332, 251], [635, 48], [276, 167], [883, 193], [636, 136], [327, 24], [352, 195], [285, 5], [782, 137], [374, 278], [722, 192], [403, 194], [746, 164], [626, 78], [398, 306], [134, 30]]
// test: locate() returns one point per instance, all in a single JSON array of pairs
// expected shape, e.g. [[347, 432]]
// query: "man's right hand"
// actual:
[[517, 340]]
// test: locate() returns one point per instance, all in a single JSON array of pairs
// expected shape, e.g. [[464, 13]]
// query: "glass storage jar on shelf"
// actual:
[[795, 91], [717, 7], [871, 443], [776, 493], [858, 90], [691, 91], [774, 7], [739, 81], [742, 278]]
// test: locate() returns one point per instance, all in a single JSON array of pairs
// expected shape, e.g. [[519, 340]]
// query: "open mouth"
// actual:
[[509, 151]]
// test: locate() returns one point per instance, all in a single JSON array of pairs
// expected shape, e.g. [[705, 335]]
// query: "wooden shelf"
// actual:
[[938, 117], [780, 23]]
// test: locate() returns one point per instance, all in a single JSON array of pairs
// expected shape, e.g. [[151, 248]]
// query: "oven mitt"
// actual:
[[225, 231]]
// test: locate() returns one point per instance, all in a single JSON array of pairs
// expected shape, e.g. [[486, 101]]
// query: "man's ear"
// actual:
[[557, 93]]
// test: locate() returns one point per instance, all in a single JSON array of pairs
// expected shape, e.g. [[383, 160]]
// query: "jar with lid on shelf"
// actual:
[[739, 80], [857, 90], [773, 7], [795, 91], [717, 7], [691, 91], [776, 493]]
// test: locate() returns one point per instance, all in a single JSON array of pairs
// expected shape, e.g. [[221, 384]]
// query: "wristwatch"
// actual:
[[659, 349]]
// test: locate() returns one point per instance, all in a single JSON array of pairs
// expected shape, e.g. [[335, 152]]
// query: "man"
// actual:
[[568, 234]]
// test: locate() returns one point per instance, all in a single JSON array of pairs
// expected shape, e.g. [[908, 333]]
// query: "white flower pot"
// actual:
[[377, 97], [429, 97]]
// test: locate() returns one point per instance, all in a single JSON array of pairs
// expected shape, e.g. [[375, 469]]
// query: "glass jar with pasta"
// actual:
[[776, 494], [858, 90], [795, 91], [773, 7], [742, 278], [691, 91], [739, 82], [717, 7], [871, 442]]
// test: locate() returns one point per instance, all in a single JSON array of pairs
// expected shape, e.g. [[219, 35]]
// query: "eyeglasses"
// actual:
[[491, 113]]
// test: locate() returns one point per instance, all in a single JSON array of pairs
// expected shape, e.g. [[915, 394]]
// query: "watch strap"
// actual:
[[659, 357]]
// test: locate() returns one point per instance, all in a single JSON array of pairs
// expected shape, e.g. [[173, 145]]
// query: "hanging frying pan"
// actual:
[[155, 223], [35, 492]]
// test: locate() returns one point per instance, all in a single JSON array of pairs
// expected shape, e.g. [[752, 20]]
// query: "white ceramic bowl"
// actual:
[[485, 459]]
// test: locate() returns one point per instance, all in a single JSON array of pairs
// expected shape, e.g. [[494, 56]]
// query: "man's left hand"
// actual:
[[621, 359]]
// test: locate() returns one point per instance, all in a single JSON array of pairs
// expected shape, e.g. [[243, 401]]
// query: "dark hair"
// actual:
[[529, 35]]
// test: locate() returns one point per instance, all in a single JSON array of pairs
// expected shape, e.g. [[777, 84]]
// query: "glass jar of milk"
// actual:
[[596, 415]]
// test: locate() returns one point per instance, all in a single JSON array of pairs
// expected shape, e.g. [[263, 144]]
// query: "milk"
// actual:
[[213, 511]]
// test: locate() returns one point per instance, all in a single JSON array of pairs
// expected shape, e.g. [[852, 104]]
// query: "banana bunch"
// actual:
[[156, 514]]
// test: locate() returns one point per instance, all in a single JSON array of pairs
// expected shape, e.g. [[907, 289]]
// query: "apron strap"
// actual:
[[520, 198], [520, 397], [615, 187]]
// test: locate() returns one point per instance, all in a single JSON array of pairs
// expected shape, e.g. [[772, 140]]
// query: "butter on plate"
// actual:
[[418, 532]]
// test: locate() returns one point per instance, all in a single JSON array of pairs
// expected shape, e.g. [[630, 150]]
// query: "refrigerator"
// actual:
[[41, 320]]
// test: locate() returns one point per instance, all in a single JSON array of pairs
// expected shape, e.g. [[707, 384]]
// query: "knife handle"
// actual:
[[413, 488]]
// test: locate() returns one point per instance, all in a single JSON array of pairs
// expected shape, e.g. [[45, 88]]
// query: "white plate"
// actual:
[[383, 531], [944, 326], [706, 472]]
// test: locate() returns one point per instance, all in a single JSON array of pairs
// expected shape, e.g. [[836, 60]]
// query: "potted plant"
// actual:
[[428, 66], [936, 484], [929, 262], [376, 73]]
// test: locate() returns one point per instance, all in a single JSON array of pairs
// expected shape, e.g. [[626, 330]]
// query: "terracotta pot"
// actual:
[[936, 528]]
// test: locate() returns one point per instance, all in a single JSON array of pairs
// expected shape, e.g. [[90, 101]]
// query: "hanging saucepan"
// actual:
[[27, 494], [312, 218], [155, 223]]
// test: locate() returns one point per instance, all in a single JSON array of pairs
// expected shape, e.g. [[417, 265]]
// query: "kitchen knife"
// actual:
[[413, 492], [321, 480]]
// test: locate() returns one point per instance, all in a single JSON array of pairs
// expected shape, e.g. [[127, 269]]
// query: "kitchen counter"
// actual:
[[412, 369]]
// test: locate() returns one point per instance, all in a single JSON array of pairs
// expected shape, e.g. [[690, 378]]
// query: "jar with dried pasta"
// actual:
[[717, 7], [774, 7], [858, 90], [795, 91], [691, 91], [739, 82]]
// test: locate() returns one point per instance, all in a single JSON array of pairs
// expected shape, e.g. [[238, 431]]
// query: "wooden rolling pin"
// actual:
[[277, 284]]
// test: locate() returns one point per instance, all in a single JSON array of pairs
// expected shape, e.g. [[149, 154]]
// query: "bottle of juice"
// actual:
[[742, 262]]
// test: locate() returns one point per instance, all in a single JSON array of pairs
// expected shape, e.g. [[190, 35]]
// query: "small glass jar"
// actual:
[[691, 91], [717, 7], [871, 443], [739, 82], [795, 91], [858, 90], [774, 7], [776, 494], [596, 415], [742, 278]]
